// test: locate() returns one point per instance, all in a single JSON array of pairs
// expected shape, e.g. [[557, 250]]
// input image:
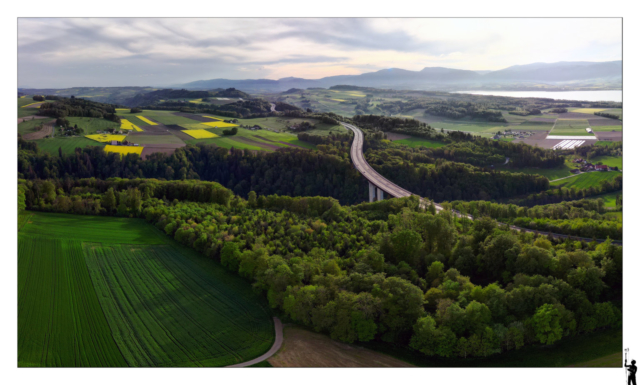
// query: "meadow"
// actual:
[[549, 173], [91, 125], [30, 126], [586, 180], [67, 144], [419, 142], [572, 127], [611, 161], [104, 291]]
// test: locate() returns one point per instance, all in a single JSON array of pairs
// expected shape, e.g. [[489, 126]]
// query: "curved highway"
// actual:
[[357, 157]]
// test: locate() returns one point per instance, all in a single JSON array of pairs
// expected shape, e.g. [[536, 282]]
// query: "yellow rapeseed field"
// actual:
[[339, 100], [127, 125], [211, 117], [588, 110], [30, 104], [123, 109], [219, 124], [123, 149], [146, 120], [200, 134], [106, 138]]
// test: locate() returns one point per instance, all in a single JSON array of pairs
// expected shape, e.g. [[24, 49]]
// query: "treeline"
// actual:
[[452, 109], [411, 278], [154, 97], [608, 115], [395, 124], [486, 152], [293, 172], [589, 152], [64, 107], [557, 195], [583, 218]]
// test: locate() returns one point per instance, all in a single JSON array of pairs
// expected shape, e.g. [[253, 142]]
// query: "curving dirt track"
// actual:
[[27, 118], [47, 129]]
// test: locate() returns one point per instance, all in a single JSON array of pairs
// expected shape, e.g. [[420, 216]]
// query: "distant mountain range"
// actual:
[[440, 78]]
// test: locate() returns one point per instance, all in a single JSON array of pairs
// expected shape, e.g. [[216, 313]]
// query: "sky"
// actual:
[[104, 52]]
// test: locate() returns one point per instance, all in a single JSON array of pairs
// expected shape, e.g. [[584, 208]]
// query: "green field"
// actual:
[[419, 142], [91, 125], [22, 112], [585, 180], [154, 139], [611, 161], [68, 145], [102, 291], [609, 199], [571, 127], [549, 173], [30, 125], [606, 128]]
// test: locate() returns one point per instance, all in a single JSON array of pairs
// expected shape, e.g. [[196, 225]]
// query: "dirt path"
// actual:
[[305, 349], [27, 118], [276, 346]]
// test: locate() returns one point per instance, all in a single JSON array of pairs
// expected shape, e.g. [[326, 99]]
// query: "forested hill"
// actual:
[[294, 172], [62, 107], [154, 97]]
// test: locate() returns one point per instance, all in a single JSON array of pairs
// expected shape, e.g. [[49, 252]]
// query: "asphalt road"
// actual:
[[276, 346], [357, 157]]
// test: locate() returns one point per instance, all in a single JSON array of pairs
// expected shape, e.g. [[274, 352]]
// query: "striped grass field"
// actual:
[[146, 120], [123, 150], [104, 292], [586, 179]]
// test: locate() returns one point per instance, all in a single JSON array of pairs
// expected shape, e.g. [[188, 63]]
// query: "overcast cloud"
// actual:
[[159, 52]]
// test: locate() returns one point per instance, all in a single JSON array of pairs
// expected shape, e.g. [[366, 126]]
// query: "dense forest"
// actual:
[[294, 172], [64, 107], [385, 271]]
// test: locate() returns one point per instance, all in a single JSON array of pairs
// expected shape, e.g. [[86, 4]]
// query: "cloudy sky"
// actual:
[[160, 52]]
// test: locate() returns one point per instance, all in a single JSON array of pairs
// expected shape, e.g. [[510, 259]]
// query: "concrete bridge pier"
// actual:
[[380, 194], [372, 192]]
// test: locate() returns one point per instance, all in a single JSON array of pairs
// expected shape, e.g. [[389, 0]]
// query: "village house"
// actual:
[[602, 167]]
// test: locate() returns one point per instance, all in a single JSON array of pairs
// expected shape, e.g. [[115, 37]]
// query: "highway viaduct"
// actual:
[[379, 185]]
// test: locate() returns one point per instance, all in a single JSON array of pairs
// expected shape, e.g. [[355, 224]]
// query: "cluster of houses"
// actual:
[[109, 132], [586, 166], [125, 143], [513, 134]]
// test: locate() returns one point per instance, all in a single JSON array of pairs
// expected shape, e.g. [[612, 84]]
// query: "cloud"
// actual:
[[61, 52]]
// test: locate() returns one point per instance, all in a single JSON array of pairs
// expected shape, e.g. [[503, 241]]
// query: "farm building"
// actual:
[[602, 167], [114, 142]]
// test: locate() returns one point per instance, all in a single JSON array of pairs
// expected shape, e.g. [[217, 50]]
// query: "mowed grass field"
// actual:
[[586, 180], [549, 173], [572, 127], [68, 145], [419, 142], [101, 291], [611, 161], [91, 125]]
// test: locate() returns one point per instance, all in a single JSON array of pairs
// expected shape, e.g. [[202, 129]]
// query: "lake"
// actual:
[[590, 96]]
